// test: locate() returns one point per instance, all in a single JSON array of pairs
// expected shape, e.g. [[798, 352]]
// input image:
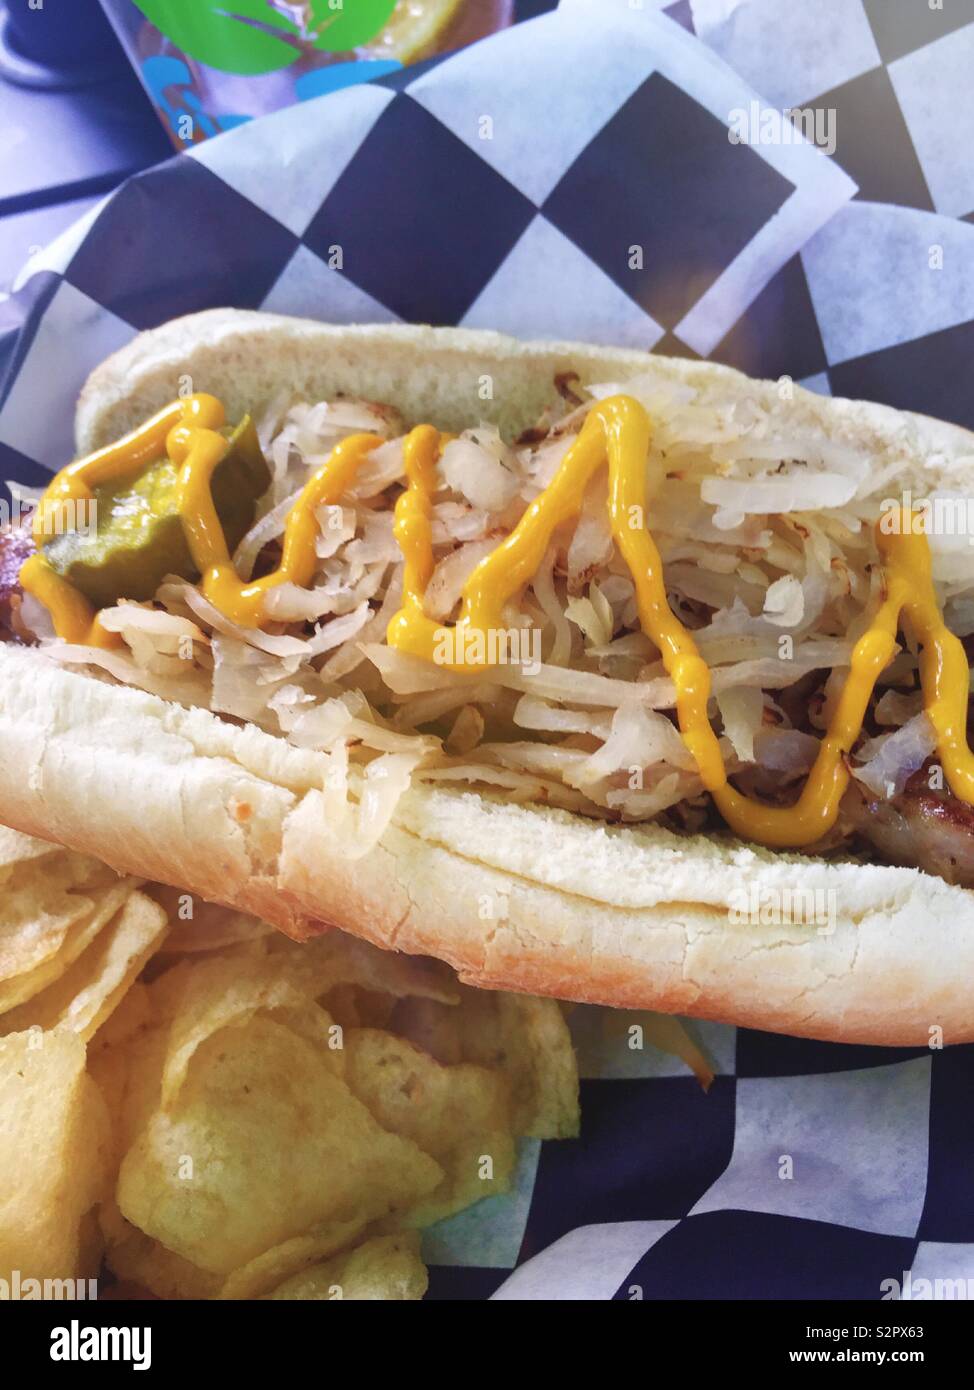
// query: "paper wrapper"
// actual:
[[575, 176]]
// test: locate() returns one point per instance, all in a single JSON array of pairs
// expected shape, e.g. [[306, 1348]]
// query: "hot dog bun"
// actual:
[[515, 897]]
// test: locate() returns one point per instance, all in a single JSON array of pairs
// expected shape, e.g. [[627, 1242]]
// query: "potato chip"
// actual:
[[281, 1262], [168, 1021], [125, 1061], [129, 1079], [334, 958], [354, 1007], [53, 1154], [526, 1039], [314, 1023], [170, 983], [458, 1114], [108, 1069], [202, 996], [133, 1256], [16, 848], [387, 1267], [132, 1013], [431, 1026], [91, 1243], [269, 1133], [42, 896], [72, 939], [264, 1143], [90, 989], [145, 1058], [209, 927]]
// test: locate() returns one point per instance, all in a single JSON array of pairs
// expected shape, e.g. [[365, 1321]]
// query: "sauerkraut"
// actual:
[[768, 557]]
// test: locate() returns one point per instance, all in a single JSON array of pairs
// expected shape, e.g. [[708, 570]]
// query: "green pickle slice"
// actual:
[[138, 538]]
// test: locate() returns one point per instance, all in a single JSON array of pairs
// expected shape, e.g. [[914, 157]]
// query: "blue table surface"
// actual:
[[63, 150]]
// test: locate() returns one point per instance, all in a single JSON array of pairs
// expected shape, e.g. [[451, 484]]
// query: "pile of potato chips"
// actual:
[[199, 1108]]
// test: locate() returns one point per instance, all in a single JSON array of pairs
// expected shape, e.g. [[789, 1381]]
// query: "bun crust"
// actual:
[[514, 897]]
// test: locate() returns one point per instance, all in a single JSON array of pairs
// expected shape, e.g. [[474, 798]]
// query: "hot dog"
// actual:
[[596, 674]]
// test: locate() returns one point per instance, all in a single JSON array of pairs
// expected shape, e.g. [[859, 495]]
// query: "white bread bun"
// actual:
[[515, 897]]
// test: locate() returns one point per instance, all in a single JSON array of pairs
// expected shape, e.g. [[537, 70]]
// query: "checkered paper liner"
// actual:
[[809, 1170]]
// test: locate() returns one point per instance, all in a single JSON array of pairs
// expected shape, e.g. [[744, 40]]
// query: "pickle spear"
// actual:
[[138, 537]]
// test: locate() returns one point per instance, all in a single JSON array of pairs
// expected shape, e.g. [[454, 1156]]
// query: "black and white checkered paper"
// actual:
[[506, 186]]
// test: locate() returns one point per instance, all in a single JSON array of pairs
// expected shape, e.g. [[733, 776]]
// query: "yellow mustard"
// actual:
[[616, 432]]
